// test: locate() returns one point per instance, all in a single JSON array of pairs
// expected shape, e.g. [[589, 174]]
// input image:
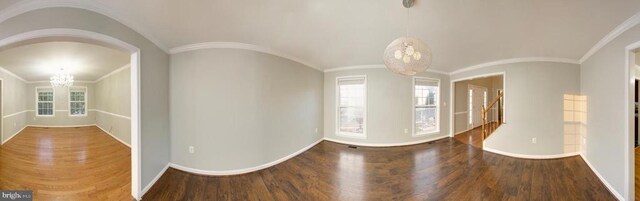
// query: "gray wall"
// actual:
[[61, 102], [461, 99], [241, 109], [389, 106], [14, 99], [154, 89], [113, 96], [534, 105], [603, 83]]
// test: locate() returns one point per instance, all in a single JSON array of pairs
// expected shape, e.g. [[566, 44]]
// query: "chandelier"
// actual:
[[407, 55], [62, 79]]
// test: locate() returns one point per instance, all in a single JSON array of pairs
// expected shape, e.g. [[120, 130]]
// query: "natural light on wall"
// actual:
[[574, 120]]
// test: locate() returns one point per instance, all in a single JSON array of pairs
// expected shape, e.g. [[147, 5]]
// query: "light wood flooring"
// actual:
[[81, 163]]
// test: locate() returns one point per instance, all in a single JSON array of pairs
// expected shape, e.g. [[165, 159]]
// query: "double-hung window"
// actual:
[[77, 101], [426, 107], [44, 101], [352, 106]]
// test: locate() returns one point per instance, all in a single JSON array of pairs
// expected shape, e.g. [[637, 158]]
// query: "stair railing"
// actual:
[[492, 126]]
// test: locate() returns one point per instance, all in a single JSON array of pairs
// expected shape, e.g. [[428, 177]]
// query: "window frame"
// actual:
[[86, 101], [53, 102], [337, 107], [414, 133]]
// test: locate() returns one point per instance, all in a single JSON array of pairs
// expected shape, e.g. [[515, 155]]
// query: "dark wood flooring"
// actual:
[[442, 170], [472, 137]]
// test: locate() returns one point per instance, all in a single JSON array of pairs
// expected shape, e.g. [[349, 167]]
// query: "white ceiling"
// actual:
[[86, 62], [337, 33]]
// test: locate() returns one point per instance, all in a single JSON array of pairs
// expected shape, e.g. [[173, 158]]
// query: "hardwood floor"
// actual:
[[443, 170], [472, 137], [66, 164]]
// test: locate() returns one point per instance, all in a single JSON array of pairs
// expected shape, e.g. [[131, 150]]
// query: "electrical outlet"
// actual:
[[534, 140], [316, 130], [406, 130], [191, 150], [15, 124], [584, 140]]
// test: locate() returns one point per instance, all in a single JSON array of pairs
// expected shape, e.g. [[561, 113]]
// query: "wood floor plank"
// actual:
[[82, 163], [443, 170]]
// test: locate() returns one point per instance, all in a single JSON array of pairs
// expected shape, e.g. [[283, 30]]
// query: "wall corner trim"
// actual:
[[245, 170], [242, 46], [626, 25], [604, 181], [155, 179], [386, 144], [114, 137], [525, 156], [19, 131]]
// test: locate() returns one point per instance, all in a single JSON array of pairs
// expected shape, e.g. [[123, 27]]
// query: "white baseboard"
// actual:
[[145, 189], [113, 136], [243, 171], [14, 135], [604, 181], [386, 144], [63, 126], [525, 156]]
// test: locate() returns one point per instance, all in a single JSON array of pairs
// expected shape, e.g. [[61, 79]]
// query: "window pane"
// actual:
[[352, 119], [425, 119], [351, 105], [45, 108]]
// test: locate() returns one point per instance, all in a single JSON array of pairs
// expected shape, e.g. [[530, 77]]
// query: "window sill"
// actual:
[[352, 135], [426, 133]]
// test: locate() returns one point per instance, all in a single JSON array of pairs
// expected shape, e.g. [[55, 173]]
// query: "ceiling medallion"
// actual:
[[407, 55], [62, 79]]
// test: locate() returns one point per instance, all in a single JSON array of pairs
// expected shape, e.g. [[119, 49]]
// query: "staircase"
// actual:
[[497, 117]]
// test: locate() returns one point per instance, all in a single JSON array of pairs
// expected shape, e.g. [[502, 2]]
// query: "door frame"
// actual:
[[453, 90]]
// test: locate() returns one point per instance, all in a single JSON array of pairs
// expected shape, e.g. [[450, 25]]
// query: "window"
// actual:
[[426, 110], [352, 109], [77, 101], [44, 101]]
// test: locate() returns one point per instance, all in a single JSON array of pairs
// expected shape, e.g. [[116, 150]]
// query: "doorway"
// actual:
[[477, 100]]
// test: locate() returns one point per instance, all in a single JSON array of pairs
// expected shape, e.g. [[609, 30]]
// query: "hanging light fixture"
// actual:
[[407, 55], [62, 79]]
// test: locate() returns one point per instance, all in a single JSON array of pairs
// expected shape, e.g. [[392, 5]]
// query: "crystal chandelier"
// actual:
[[407, 55], [62, 79]]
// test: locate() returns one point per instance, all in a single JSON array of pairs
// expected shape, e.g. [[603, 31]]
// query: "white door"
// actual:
[[477, 99]]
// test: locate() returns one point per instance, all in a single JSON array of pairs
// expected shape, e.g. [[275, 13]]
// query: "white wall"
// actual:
[[534, 106], [241, 109], [14, 109], [113, 104], [61, 101], [154, 73], [603, 82], [389, 107]]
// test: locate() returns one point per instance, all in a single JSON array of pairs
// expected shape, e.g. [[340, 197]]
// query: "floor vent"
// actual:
[[352, 147]]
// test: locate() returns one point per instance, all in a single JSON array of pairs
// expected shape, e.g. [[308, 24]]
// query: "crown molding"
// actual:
[[516, 60], [626, 25], [242, 46], [374, 66], [12, 74], [31, 5], [112, 73]]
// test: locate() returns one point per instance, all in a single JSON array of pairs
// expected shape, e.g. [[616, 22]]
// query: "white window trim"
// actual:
[[86, 101], [337, 108], [53, 114], [413, 107]]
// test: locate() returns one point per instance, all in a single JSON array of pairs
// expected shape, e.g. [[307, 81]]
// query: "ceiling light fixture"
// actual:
[[62, 79], [407, 55]]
